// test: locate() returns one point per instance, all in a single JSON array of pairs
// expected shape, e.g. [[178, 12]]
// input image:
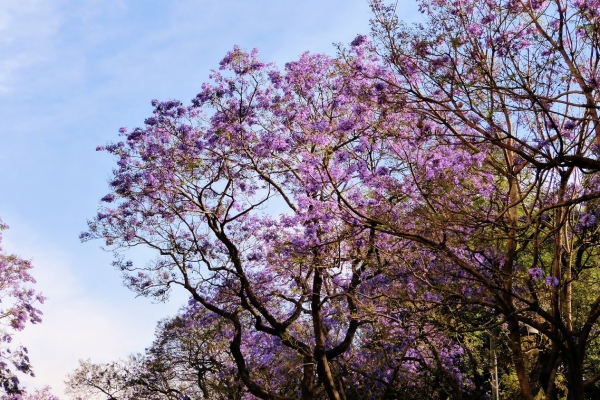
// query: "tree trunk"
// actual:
[[323, 368]]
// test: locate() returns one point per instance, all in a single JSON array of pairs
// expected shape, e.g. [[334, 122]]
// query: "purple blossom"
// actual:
[[321, 126], [109, 198], [359, 40], [137, 133], [382, 171], [536, 273], [547, 52], [379, 86], [475, 30], [587, 220], [488, 19], [346, 125], [151, 121], [276, 78], [551, 281]]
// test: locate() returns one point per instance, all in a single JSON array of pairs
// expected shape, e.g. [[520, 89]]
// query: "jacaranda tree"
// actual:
[[17, 308], [366, 226], [517, 83], [299, 284]]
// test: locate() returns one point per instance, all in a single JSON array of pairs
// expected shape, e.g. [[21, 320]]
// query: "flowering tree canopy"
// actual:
[[518, 82], [16, 309], [365, 225]]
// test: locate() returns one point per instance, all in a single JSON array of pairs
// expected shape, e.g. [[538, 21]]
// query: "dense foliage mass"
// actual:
[[17, 308], [414, 218]]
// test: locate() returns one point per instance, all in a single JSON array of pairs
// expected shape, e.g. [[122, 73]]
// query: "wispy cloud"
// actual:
[[27, 30]]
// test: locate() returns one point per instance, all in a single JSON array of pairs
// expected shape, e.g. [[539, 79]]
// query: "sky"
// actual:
[[71, 73]]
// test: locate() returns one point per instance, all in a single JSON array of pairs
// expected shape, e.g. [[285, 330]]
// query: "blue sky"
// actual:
[[71, 73]]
